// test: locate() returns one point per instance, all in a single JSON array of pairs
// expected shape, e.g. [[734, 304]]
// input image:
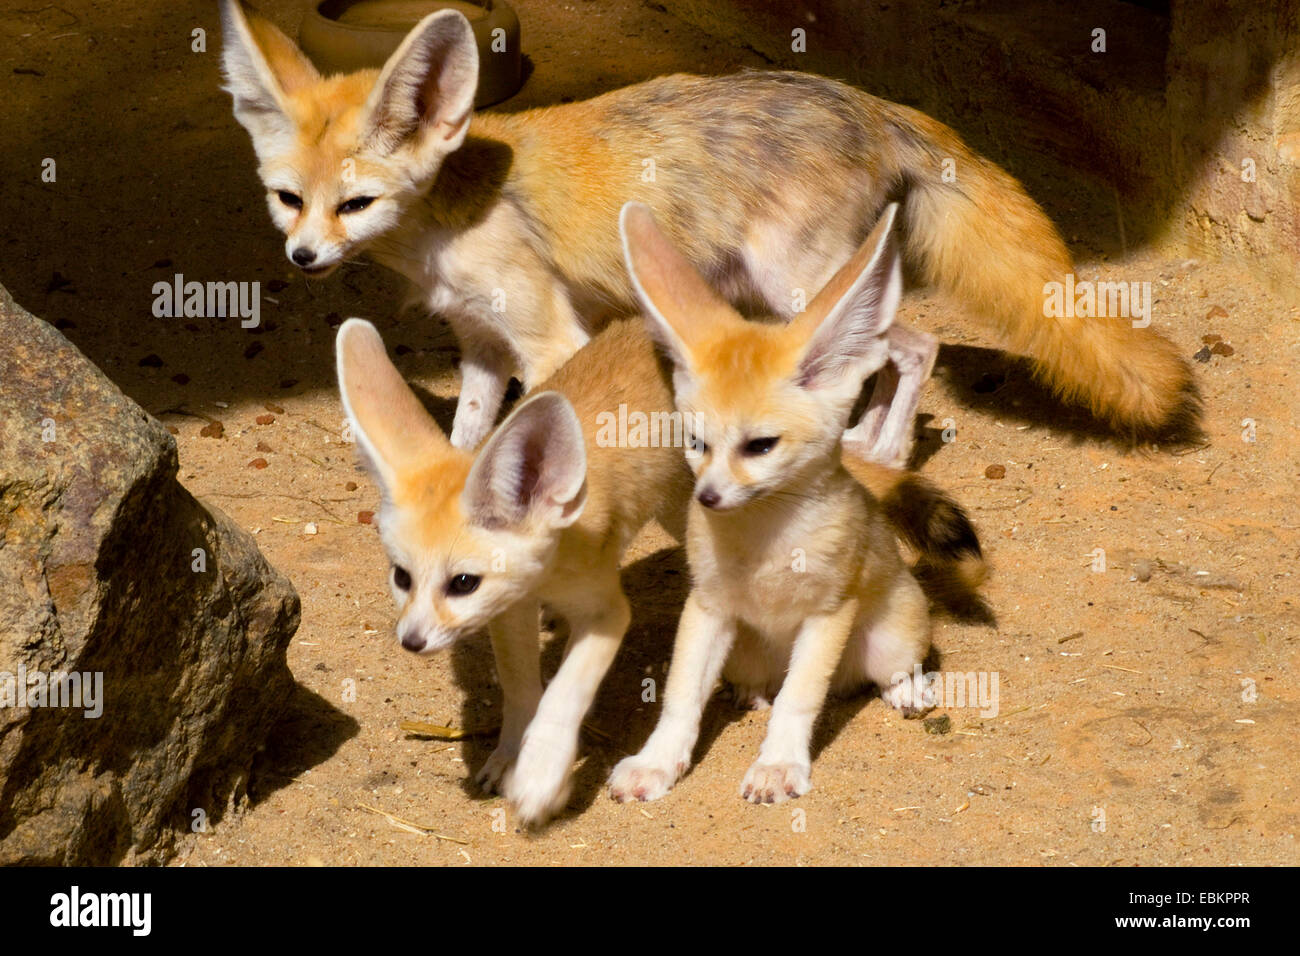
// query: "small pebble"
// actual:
[[1221, 348], [151, 361], [213, 430], [937, 725], [263, 446], [309, 528], [258, 463], [264, 419], [253, 349], [272, 407], [180, 378], [365, 517], [1203, 355], [995, 471], [1216, 312], [351, 486]]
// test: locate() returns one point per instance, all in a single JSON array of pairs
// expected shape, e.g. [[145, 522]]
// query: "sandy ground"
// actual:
[[1138, 721]]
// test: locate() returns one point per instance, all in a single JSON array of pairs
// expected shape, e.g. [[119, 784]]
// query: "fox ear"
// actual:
[[425, 95], [534, 465], [846, 321], [392, 428], [677, 301], [262, 65]]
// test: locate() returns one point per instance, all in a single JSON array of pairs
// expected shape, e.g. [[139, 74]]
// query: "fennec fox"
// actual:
[[798, 587], [767, 181], [542, 512]]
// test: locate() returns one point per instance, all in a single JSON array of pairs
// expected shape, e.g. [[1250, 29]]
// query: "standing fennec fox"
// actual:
[[798, 587], [766, 181], [542, 512]]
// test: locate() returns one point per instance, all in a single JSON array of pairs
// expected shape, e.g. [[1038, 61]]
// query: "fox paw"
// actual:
[[750, 697], [498, 765], [537, 786], [535, 803], [776, 782], [905, 699], [637, 778]]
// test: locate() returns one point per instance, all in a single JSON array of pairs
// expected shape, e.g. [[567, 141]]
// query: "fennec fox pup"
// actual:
[[507, 225], [798, 587], [541, 512]]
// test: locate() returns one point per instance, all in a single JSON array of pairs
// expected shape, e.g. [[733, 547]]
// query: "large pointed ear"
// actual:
[[533, 466], [678, 303], [392, 428], [846, 321], [262, 66], [424, 97]]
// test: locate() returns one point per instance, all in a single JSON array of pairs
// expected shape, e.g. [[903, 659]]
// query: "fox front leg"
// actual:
[[485, 368], [551, 334], [703, 641], [885, 430], [784, 765], [514, 645], [537, 787]]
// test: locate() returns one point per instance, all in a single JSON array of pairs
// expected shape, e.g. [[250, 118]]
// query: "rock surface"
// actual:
[[108, 566]]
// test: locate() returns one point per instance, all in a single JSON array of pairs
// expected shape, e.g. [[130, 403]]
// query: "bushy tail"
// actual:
[[927, 519], [983, 240]]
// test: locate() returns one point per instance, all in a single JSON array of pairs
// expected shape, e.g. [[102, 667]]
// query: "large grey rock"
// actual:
[[97, 553]]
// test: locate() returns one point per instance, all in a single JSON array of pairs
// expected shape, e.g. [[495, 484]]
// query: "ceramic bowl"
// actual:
[[341, 36]]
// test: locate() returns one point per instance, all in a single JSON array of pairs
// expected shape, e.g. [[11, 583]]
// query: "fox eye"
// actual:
[[463, 584], [402, 578], [761, 446], [355, 204], [292, 200]]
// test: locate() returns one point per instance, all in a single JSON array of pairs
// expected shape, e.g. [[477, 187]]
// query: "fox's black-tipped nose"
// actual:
[[303, 256], [709, 498], [412, 641]]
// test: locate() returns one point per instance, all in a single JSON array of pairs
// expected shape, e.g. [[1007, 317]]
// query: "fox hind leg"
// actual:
[[753, 671], [885, 429], [887, 646]]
